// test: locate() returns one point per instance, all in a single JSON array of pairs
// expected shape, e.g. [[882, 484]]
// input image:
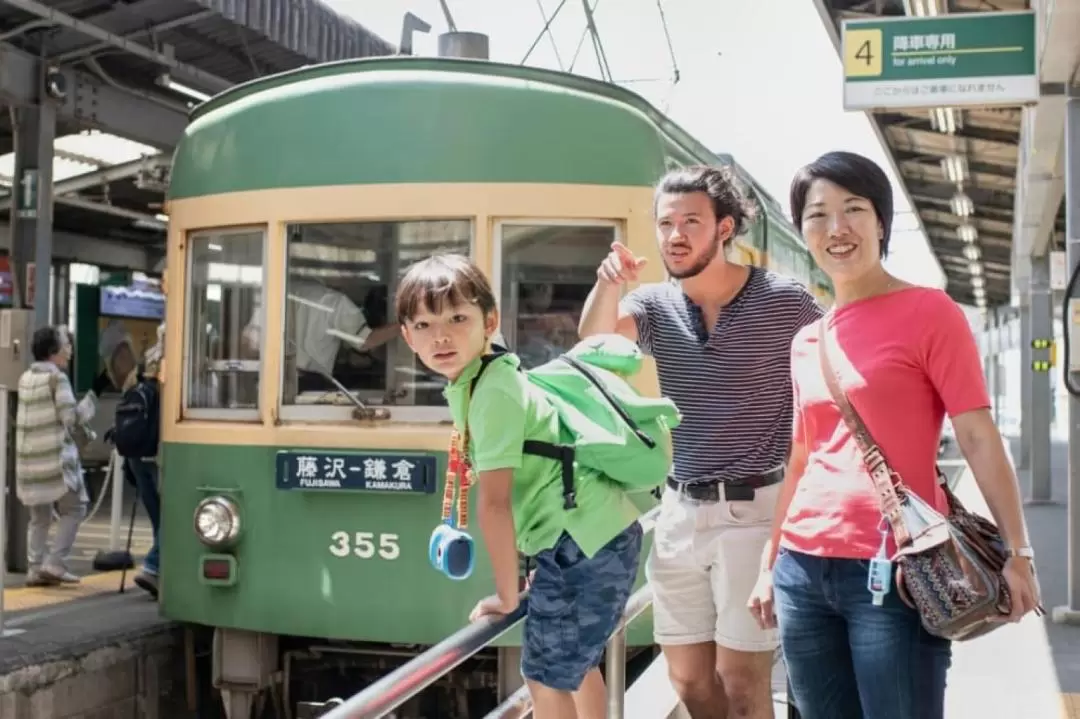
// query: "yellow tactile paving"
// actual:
[[22, 598]]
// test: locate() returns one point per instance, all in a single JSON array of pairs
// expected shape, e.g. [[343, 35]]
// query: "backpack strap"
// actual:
[[562, 454]]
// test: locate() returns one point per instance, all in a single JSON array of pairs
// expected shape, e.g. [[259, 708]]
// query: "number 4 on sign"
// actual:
[[364, 545], [862, 53]]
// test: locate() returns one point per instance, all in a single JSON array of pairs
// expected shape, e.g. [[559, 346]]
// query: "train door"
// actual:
[[543, 271]]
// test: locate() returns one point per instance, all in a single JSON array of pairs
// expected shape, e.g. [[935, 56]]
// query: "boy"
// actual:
[[586, 558]]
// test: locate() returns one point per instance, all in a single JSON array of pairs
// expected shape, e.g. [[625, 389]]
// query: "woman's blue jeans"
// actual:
[[846, 658]]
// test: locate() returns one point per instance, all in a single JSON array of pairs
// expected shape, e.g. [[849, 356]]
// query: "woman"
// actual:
[[905, 356], [49, 427]]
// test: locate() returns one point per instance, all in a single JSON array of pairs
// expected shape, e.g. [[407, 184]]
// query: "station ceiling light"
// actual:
[[972, 252], [946, 120], [967, 233], [954, 167], [921, 8], [975, 269], [979, 283], [962, 206]]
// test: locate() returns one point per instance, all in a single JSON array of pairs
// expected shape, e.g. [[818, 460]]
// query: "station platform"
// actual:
[[89, 650], [1030, 670]]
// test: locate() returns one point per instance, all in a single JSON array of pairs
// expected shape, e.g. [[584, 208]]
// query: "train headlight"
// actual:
[[217, 521]]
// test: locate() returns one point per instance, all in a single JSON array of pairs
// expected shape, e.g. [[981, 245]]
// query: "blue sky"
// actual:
[[760, 79]]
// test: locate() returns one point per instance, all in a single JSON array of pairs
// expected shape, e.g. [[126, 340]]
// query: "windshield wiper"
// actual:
[[361, 411]]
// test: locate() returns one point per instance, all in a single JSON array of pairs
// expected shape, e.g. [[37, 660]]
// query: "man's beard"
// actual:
[[698, 267]]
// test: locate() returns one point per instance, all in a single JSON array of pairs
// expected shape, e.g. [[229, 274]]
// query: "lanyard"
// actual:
[[458, 471]]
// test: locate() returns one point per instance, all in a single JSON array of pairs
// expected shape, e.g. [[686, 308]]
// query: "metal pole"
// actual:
[[116, 465], [1071, 612], [3, 507], [615, 666]]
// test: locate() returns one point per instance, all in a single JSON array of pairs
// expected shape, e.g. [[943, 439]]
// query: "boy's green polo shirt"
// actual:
[[506, 411]]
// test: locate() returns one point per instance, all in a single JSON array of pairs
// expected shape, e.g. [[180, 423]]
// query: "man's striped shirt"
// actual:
[[732, 386]]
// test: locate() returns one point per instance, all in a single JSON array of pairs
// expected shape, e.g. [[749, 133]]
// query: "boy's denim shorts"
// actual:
[[575, 603]]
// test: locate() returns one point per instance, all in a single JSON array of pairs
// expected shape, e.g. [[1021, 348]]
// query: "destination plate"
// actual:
[[366, 472]]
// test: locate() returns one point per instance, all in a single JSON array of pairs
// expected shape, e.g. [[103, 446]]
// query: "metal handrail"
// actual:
[[519, 704], [413, 677]]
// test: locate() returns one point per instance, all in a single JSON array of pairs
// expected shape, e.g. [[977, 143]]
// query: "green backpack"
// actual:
[[609, 425]]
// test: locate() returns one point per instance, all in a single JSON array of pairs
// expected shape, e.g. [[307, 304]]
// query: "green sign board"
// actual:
[[940, 61]]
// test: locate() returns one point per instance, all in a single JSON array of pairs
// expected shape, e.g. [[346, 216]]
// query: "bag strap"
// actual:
[[880, 472], [562, 454]]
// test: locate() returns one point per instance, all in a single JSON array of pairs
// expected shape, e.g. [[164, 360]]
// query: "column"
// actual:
[[1024, 460], [31, 241], [1041, 323], [1071, 611]]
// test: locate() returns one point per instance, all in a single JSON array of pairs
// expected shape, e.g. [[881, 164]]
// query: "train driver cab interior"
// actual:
[[340, 280]]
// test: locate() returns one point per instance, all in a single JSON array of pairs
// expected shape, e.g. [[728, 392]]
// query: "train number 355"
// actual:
[[365, 545]]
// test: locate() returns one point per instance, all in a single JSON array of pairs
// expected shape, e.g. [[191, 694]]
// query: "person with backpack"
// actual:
[[510, 440], [135, 435], [721, 335]]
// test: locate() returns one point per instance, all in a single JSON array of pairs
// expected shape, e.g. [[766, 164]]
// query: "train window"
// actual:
[[339, 323], [545, 273], [225, 280]]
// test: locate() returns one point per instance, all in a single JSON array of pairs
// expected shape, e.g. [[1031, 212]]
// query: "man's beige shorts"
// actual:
[[704, 562]]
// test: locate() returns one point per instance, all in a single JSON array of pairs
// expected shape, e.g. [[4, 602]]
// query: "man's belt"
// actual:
[[735, 490]]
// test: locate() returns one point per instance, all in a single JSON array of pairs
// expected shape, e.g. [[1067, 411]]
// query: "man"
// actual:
[[324, 318], [721, 335]]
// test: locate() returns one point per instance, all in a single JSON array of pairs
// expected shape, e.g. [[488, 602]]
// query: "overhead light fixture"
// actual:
[[972, 252], [975, 269], [967, 233], [946, 120], [978, 290], [962, 206], [954, 167], [169, 84], [922, 8], [978, 283], [980, 302], [161, 217]]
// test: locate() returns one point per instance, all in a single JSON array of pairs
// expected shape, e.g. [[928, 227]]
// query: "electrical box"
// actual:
[[16, 329], [1073, 328]]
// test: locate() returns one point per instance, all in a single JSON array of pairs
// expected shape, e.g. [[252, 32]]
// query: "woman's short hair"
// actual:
[[856, 174], [46, 342]]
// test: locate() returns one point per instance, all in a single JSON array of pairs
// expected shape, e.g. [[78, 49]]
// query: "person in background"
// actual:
[[49, 428], [905, 357], [142, 472]]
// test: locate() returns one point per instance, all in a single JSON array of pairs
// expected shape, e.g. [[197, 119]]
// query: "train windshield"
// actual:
[[546, 271], [225, 279], [338, 313]]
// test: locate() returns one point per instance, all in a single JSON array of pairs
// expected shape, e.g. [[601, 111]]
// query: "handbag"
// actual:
[[948, 567]]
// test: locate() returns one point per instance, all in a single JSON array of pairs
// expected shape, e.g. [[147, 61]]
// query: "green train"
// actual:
[[296, 525]]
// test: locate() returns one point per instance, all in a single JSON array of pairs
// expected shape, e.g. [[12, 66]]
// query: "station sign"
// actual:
[[940, 61]]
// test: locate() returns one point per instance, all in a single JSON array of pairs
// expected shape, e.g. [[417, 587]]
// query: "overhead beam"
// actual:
[[130, 21], [93, 103], [182, 72], [76, 247], [986, 134], [932, 162], [945, 190]]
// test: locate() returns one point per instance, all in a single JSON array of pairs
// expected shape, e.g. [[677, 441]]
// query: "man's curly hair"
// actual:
[[722, 187]]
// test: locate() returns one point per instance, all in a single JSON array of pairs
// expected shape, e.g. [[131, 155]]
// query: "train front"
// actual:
[[304, 443]]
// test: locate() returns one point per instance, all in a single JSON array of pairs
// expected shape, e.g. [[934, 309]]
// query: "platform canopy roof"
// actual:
[[934, 150], [130, 71]]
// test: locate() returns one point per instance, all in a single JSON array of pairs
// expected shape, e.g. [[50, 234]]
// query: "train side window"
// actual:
[[545, 271], [225, 280], [340, 323]]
